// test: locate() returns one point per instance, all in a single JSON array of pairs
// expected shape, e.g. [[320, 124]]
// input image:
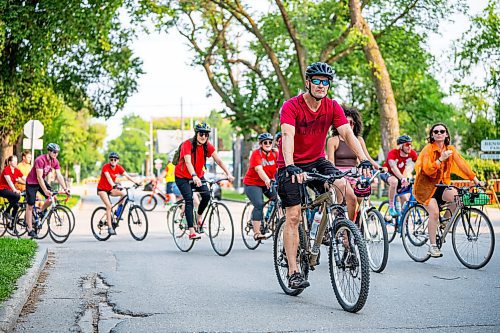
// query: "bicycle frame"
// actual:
[[158, 191]]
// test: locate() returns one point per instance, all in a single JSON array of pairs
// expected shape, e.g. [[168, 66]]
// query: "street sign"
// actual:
[[33, 129], [490, 156], [37, 144], [490, 145]]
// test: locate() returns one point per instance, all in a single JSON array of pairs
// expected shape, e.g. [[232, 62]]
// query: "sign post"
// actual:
[[490, 146], [33, 130]]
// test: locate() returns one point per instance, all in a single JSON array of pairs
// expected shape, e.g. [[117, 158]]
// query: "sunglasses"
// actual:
[[351, 122], [267, 142], [408, 144], [439, 131], [113, 159], [202, 134], [325, 83], [54, 151]]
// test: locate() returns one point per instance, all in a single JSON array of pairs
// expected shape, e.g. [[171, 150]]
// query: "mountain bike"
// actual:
[[137, 219], [219, 220], [273, 213], [373, 229], [149, 201], [472, 234], [347, 255]]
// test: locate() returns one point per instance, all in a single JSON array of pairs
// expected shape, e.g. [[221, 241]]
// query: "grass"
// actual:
[[15, 257], [71, 202], [233, 195]]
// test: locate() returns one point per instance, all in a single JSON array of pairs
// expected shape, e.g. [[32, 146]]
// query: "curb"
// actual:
[[11, 308]]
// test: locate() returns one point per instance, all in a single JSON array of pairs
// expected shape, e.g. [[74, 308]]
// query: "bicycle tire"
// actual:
[[3, 224], [168, 218], [148, 202], [71, 214], [43, 230], [415, 233], [180, 229], [221, 229], [137, 223], [247, 228], [99, 225], [376, 234], [351, 265], [464, 220], [59, 224], [390, 222], [281, 262], [20, 223]]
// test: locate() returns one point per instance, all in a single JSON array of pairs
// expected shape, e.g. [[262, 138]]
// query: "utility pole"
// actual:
[[151, 147]]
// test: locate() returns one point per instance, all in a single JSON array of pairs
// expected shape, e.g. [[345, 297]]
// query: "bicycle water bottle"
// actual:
[[397, 205], [269, 210], [315, 225], [118, 210]]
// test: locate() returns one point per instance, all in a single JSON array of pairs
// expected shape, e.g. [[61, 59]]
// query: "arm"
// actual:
[[262, 174], [60, 179], [162, 175], [41, 182], [222, 165], [394, 169], [287, 143], [331, 147], [9, 181], [110, 181], [372, 161], [347, 134], [125, 173], [189, 165]]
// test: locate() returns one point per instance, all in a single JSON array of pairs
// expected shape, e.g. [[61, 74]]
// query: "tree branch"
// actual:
[[397, 18], [334, 43], [337, 56]]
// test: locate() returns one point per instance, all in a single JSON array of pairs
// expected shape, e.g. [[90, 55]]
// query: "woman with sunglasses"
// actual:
[[437, 161], [257, 181], [190, 170], [108, 187], [339, 153]]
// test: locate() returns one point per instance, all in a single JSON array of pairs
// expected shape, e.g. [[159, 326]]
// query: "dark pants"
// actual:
[[13, 199], [186, 187], [254, 193]]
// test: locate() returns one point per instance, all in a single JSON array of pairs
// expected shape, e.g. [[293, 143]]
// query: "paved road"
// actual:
[[127, 286]]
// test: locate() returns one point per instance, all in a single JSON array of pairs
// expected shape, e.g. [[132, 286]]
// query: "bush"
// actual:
[[485, 169]]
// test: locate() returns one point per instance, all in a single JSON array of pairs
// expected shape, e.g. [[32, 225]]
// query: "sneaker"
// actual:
[[111, 231], [435, 252], [32, 233], [297, 281], [393, 212], [194, 236]]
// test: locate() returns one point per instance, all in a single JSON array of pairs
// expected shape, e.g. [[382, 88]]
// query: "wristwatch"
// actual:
[[194, 175]]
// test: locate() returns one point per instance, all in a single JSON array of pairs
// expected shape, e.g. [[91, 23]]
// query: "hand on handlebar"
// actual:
[[366, 168], [404, 182], [230, 177], [197, 181], [295, 173]]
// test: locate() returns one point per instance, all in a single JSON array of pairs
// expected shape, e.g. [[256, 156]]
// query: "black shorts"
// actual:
[[291, 194], [31, 190], [385, 177], [101, 190], [438, 195]]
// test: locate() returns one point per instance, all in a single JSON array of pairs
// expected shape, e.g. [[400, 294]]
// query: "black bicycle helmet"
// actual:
[[53, 147], [278, 136], [404, 139], [202, 127], [319, 69], [114, 155], [265, 136]]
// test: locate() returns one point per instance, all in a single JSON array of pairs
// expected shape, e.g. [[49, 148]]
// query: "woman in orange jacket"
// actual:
[[435, 164]]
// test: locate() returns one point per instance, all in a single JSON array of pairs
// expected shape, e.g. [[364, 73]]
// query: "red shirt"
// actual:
[[311, 128], [103, 181], [268, 162], [400, 160], [46, 164], [181, 170], [7, 171]]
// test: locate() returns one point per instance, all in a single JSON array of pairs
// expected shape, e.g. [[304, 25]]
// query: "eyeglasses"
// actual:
[[202, 134], [325, 83], [439, 131], [267, 142], [54, 151], [113, 159]]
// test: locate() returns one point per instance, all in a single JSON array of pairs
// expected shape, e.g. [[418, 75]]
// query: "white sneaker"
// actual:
[[435, 252]]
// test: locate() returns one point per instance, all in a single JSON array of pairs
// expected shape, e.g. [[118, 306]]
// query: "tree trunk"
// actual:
[[389, 125], [7, 150]]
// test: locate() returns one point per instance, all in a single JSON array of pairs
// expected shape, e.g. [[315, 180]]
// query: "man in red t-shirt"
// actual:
[[399, 162], [189, 173], [258, 179], [305, 122], [108, 187]]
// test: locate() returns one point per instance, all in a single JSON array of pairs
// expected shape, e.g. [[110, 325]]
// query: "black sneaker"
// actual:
[[32, 233], [297, 281]]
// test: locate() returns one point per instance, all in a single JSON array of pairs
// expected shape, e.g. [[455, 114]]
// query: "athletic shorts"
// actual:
[[31, 190]]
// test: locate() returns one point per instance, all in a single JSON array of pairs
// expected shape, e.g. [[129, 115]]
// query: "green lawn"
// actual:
[[15, 257], [233, 195], [71, 202]]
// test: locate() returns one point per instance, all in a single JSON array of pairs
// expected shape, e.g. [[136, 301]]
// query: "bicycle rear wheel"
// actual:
[[170, 212], [221, 229], [375, 236], [349, 269], [391, 223], [180, 231], [281, 261], [148, 202], [71, 215], [473, 238], [3, 224], [415, 233], [137, 223], [59, 224], [19, 227], [247, 228], [99, 225]]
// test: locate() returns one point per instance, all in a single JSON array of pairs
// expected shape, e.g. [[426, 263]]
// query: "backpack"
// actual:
[[177, 154]]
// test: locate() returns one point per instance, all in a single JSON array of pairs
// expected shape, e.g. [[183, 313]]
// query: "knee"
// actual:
[[393, 182], [293, 219]]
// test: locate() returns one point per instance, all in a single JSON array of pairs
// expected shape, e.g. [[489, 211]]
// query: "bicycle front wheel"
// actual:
[[391, 223], [180, 230], [377, 244], [3, 224], [473, 238], [170, 212], [59, 224], [71, 215], [349, 266], [221, 229], [247, 228], [415, 233], [148, 202], [137, 223], [99, 225]]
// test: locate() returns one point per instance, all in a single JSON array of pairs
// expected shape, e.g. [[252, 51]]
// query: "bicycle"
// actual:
[[137, 219], [347, 255], [468, 226], [373, 229], [272, 207], [220, 225], [148, 202]]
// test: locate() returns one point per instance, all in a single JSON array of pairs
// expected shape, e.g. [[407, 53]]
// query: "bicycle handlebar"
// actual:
[[332, 177]]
